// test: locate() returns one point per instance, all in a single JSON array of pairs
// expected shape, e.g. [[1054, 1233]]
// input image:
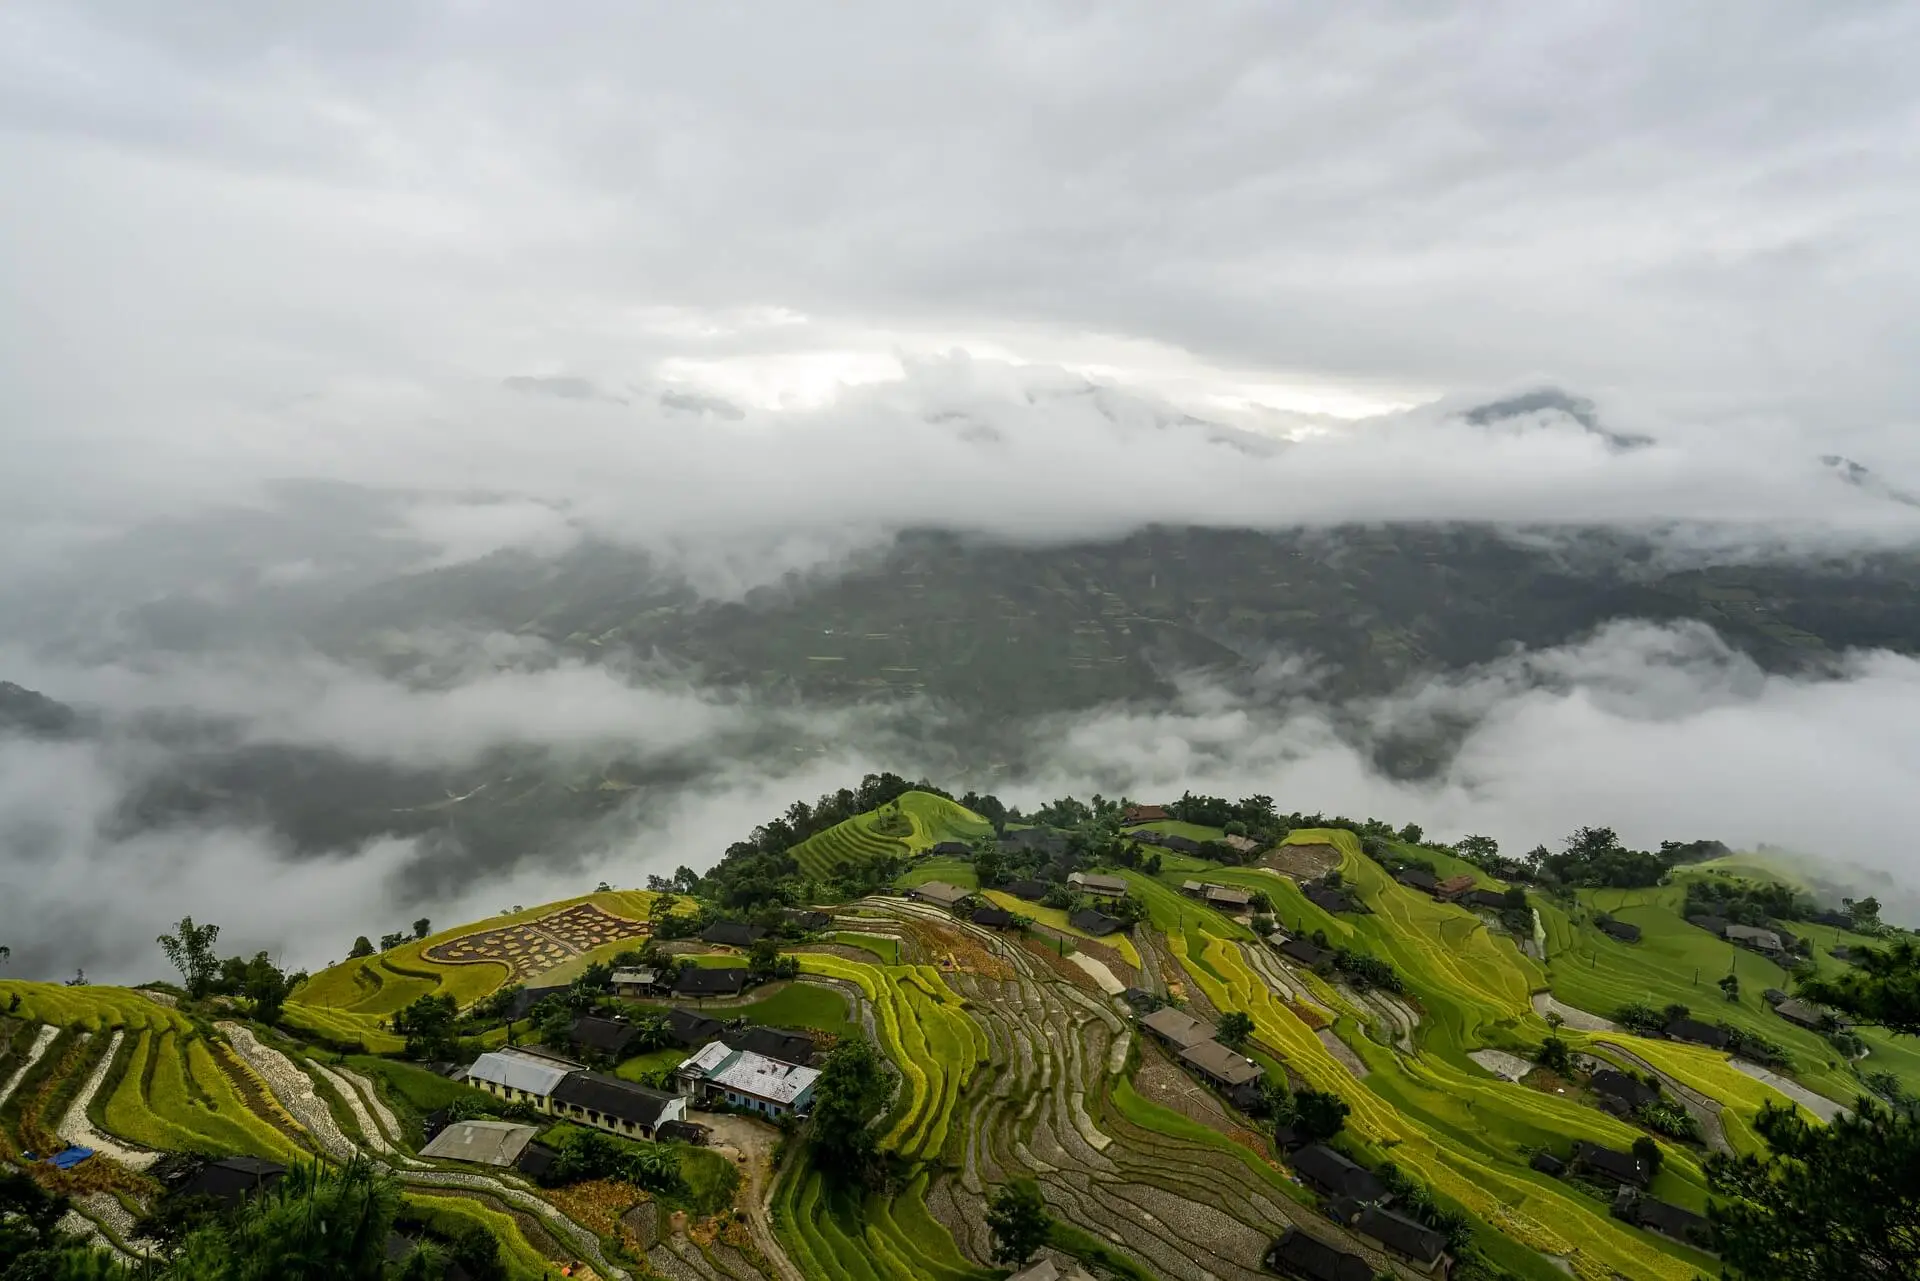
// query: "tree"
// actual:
[[266, 986], [1318, 1115], [989, 864], [361, 947], [851, 1090], [6, 954], [1830, 1200], [1864, 911], [1730, 984], [390, 941], [1649, 1152], [427, 1025], [1477, 849], [79, 978], [1235, 1027], [1018, 1219], [1882, 990], [1411, 834], [1554, 1055], [422, 928], [190, 950]]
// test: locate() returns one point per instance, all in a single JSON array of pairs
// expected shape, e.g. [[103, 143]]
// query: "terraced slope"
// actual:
[[929, 819]]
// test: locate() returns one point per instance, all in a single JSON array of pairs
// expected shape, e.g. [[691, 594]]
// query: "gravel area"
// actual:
[[362, 1118], [1509, 1067], [1544, 1004], [389, 1123], [1818, 1104], [104, 1207], [75, 1128], [1099, 972], [41, 1040], [1343, 1052], [294, 1089]]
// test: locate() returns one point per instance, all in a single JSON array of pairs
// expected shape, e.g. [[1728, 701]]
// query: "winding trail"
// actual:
[[1818, 1104], [1577, 1019], [41, 1040], [77, 1129]]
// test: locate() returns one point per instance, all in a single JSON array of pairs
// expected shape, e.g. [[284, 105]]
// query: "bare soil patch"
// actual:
[[1302, 862]]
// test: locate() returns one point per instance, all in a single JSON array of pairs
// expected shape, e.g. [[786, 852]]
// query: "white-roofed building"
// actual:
[[743, 1079], [517, 1077]]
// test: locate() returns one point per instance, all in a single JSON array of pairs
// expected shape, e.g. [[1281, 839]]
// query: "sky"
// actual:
[[752, 286]]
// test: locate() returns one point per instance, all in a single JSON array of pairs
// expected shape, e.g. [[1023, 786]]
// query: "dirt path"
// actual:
[[743, 1137], [1818, 1104], [76, 1129]]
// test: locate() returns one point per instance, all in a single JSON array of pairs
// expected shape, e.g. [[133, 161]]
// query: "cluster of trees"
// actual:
[[318, 1224], [848, 1098], [256, 979], [1366, 971], [1642, 1017], [363, 946], [1018, 1219], [593, 1155]]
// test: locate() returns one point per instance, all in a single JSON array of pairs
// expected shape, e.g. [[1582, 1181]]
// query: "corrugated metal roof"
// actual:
[[518, 1072]]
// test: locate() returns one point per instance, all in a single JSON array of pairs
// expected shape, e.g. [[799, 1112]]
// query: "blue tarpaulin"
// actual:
[[70, 1158]]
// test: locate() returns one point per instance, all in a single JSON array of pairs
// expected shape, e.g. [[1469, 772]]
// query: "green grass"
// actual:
[[956, 871], [417, 1089], [711, 1180], [888, 950], [447, 1214], [641, 1066], [797, 1005]]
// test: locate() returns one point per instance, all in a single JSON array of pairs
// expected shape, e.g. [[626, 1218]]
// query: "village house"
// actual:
[[1308, 1258], [527, 997], [1620, 930], [1091, 920], [498, 1143], [1491, 900], [1807, 1015], [1099, 884], [808, 921], [1547, 1163], [602, 1037], [1830, 917], [618, 1107], [952, 849], [1180, 844], [1330, 1174], [1134, 815], [1148, 837], [1244, 845], [739, 1078], [993, 918], [231, 1180], [1030, 890], [1620, 1093], [1228, 898], [1714, 925], [1414, 1243], [1621, 1168], [940, 894], [1305, 953], [1668, 1220], [699, 981], [518, 1077], [1053, 1270], [772, 1043], [1417, 878], [690, 1028], [732, 934], [1452, 886], [1765, 942], [1220, 1065], [636, 984], [1176, 1028], [1698, 1033], [1330, 900]]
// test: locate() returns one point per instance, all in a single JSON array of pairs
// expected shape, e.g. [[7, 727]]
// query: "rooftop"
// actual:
[[1298, 1255], [1403, 1236], [481, 1142], [1098, 883], [941, 892], [704, 980], [732, 934], [1177, 1026], [1221, 1063], [762, 1077], [1321, 1165], [516, 1071], [612, 1097]]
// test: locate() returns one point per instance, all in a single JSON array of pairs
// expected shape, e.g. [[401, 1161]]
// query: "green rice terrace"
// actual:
[[1026, 1032]]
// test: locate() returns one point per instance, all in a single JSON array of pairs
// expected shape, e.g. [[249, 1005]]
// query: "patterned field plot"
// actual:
[[534, 946]]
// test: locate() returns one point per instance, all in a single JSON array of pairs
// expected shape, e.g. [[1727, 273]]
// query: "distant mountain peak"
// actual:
[[1553, 400], [1863, 478], [23, 710]]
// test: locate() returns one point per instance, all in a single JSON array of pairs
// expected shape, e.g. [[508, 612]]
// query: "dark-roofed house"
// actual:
[[616, 1106], [1180, 844], [1417, 878], [1828, 916], [1492, 900], [527, 997], [732, 934], [1030, 890], [1219, 1064], [1148, 837], [1698, 1033], [1805, 1014], [1091, 920], [1296, 1254], [1668, 1220], [1176, 1027], [1140, 1000], [536, 1161], [1765, 942], [682, 1132], [1620, 930], [1330, 1174], [1773, 996], [1629, 1092], [1716, 925], [1328, 900], [706, 980], [1606, 1163], [635, 984], [690, 1028], [1305, 953], [481, 1142], [1099, 883], [994, 918], [1046, 839], [940, 894], [772, 1043], [608, 1038], [1547, 1163], [1228, 898], [953, 849], [1416, 1243], [1841, 952], [1137, 814], [809, 921], [233, 1179]]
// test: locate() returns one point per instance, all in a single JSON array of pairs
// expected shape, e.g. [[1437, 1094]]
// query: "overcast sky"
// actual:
[[241, 239], [755, 285]]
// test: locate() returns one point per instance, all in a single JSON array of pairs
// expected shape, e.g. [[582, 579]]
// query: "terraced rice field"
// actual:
[[1055, 919], [932, 819]]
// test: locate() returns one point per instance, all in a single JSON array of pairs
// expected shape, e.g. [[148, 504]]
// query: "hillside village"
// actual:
[[902, 1035]]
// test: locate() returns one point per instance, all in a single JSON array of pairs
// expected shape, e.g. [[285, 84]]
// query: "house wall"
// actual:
[[713, 1093], [674, 1111], [541, 1102]]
